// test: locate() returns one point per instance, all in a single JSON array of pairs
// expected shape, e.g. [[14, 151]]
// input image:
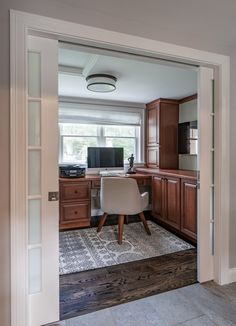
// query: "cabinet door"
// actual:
[[153, 156], [152, 120], [157, 196], [189, 208], [172, 201]]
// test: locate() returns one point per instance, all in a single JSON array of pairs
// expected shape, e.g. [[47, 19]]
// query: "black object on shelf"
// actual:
[[188, 138], [71, 171]]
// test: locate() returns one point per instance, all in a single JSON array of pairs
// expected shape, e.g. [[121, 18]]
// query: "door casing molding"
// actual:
[[21, 25]]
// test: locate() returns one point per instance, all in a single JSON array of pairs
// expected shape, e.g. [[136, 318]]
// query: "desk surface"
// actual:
[[95, 177], [142, 173]]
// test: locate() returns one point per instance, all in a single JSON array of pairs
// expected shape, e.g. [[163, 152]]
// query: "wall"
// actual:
[[203, 24], [188, 112]]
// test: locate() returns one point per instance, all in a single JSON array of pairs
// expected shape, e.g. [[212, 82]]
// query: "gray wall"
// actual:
[[188, 112], [203, 24]]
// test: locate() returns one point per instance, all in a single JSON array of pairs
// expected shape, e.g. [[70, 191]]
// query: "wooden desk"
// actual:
[[75, 198], [174, 199]]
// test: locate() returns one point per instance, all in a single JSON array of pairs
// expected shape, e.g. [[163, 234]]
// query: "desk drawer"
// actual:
[[75, 215], [75, 191]]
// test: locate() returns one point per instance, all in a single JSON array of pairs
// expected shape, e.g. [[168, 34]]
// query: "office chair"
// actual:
[[121, 196]]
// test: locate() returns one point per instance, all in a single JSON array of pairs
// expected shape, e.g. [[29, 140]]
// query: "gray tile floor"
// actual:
[[195, 305]]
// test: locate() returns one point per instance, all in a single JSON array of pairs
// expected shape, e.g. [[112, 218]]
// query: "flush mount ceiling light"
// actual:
[[101, 83]]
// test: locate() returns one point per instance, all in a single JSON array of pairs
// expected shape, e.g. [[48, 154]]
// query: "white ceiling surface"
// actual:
[[137, 81]]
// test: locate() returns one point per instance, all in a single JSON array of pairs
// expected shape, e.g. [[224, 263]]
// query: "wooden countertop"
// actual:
[[141, 174], [95, 177], [174, 173]]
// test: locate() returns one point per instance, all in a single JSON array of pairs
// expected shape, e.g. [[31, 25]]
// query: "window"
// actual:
[[75, 138], [85, 123], [122, 136]]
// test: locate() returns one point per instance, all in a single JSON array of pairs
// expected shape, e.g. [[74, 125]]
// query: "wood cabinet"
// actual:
[[166, 199], [153, 156], [75, 204], [189, 208], [174, 202], [161, 138], [158, 194]]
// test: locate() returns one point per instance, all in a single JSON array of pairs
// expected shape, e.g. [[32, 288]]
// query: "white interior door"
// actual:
[[42, 154], [206, 166]]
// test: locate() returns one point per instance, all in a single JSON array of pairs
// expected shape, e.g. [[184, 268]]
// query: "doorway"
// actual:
[[121, 119], [18, 236]]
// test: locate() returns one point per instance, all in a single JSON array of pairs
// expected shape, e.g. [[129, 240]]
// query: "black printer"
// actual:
[[71, 171]]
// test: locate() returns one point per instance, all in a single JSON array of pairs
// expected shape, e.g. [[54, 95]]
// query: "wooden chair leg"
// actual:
[[120, 228], [101, 222], [126, 219], [143, 219]]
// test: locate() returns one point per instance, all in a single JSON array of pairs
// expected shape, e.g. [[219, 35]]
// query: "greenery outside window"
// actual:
[[75, 138]]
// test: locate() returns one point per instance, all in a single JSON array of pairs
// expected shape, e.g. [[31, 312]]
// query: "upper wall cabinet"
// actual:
[[162, 131], [153, 123]]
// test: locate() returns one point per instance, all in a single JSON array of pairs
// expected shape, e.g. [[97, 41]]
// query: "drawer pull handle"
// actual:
[[76, 212], [76, 192]]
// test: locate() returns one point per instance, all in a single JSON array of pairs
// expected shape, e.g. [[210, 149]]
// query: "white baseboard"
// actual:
[[232, 275]]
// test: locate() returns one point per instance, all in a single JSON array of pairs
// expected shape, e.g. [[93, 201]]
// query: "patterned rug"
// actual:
[[86, 249]]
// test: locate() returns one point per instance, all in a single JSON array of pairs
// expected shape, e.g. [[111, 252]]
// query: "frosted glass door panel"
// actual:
[[34, 177], [34, 74], [34, 226], [34, 123], [35, 282], [42, 134]]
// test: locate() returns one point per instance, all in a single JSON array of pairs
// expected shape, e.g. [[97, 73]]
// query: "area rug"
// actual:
[[85, 249]]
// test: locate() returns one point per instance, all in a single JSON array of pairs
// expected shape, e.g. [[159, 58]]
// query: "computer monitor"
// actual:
[[105, 157]]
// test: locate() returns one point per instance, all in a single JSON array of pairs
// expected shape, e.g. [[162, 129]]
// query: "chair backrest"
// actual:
[[120, 196]]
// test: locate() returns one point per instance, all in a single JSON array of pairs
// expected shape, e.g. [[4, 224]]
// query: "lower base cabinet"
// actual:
[[174, 203], [189, 208], [75, 204]]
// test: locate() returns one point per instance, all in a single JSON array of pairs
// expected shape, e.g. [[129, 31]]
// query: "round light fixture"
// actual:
[[101, 83]]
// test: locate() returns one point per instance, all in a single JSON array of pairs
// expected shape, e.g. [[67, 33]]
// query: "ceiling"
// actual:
[[138, 80]]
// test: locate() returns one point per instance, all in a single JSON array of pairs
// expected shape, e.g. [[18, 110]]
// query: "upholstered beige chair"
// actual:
[[121, 196]]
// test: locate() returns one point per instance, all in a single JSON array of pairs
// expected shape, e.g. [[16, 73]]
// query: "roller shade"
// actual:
[[99, 114]]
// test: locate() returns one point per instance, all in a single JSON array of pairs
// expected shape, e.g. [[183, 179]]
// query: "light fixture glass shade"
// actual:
[[101, 83]]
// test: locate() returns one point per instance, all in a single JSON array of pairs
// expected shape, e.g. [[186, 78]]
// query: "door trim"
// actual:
[[22, 24]]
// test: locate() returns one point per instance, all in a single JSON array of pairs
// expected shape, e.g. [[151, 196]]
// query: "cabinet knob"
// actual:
[[76, 191], [76, 212]]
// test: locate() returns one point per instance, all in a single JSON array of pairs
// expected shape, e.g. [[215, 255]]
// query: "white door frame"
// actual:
[[23, 24]]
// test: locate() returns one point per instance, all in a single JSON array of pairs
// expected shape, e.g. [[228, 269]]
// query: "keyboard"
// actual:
[[110, 174]]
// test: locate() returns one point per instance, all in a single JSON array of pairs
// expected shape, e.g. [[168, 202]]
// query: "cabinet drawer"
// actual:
[[78, 213], [75, 191]]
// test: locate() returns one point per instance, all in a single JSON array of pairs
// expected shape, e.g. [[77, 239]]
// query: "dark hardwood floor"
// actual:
[[88, 291]]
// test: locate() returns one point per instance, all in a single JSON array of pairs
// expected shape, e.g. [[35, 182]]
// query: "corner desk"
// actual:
[[174, 199], [75, 198]]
